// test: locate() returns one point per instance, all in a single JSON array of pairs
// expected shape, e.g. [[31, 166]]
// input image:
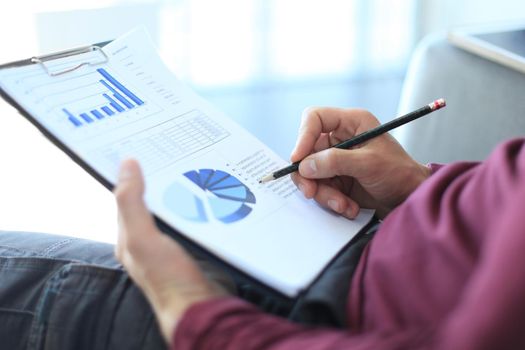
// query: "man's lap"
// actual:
[[57, 247], [65, 293], [60, 292]]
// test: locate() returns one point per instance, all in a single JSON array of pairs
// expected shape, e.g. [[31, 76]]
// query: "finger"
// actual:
[[133, 213], [344, 123], [314, 121], [323, 142], [330, 197], [331, 162], [327, 195], [306, 186], [327, 140]]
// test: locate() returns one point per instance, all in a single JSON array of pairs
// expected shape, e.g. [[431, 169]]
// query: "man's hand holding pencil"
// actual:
[[344, 180]]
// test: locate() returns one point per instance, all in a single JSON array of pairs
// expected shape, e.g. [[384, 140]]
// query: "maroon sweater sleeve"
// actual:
[[233, 324], [445, 271]]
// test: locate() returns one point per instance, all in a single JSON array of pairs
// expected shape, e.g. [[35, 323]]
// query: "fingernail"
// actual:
[[349, 212], [333, 204], [301, 188], [125, 172], [310, 168]]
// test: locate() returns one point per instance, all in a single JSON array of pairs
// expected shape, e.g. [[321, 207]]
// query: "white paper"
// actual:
[[201, 168]]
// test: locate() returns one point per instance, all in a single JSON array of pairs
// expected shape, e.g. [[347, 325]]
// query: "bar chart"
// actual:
[[118, 100]]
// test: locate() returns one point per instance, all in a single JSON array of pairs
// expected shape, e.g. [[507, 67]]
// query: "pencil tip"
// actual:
[[266, 178]]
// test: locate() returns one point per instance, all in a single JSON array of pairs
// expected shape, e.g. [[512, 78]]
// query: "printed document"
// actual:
[[201, 168]]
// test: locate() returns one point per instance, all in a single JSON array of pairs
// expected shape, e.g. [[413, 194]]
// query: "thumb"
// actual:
[[129, 192], [330, 162]]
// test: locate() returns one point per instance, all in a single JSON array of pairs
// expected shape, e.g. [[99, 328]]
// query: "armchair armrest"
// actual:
[[485, 103]]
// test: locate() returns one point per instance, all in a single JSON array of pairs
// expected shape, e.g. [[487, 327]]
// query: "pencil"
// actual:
[[365, 136]]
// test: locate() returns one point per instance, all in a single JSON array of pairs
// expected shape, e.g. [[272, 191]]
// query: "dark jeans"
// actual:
[[65, 293]]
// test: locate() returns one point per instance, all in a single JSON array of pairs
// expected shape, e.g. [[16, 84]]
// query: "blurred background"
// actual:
[[260, 61]]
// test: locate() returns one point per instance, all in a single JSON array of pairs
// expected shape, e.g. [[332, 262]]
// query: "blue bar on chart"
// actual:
[[117, 95], [108, 111], [72, 118], [119, 86], [123, 100], [86, 117], [97, 114], [113, 103]]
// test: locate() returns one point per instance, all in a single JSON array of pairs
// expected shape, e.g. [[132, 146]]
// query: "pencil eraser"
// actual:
[[437, 104]]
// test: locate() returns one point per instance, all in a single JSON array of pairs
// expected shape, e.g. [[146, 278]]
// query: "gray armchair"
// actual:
[[485, 103]]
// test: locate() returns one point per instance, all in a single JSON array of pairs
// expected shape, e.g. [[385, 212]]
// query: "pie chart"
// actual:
[[218, 195]]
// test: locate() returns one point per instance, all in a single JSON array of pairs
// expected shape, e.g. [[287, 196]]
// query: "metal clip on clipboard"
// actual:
[[68, 53]]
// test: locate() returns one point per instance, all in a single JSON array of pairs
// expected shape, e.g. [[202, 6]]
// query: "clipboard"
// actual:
[[241, 277], [42, 60]]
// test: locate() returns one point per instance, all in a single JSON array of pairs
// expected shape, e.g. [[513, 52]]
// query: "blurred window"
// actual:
[[260, 42]]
